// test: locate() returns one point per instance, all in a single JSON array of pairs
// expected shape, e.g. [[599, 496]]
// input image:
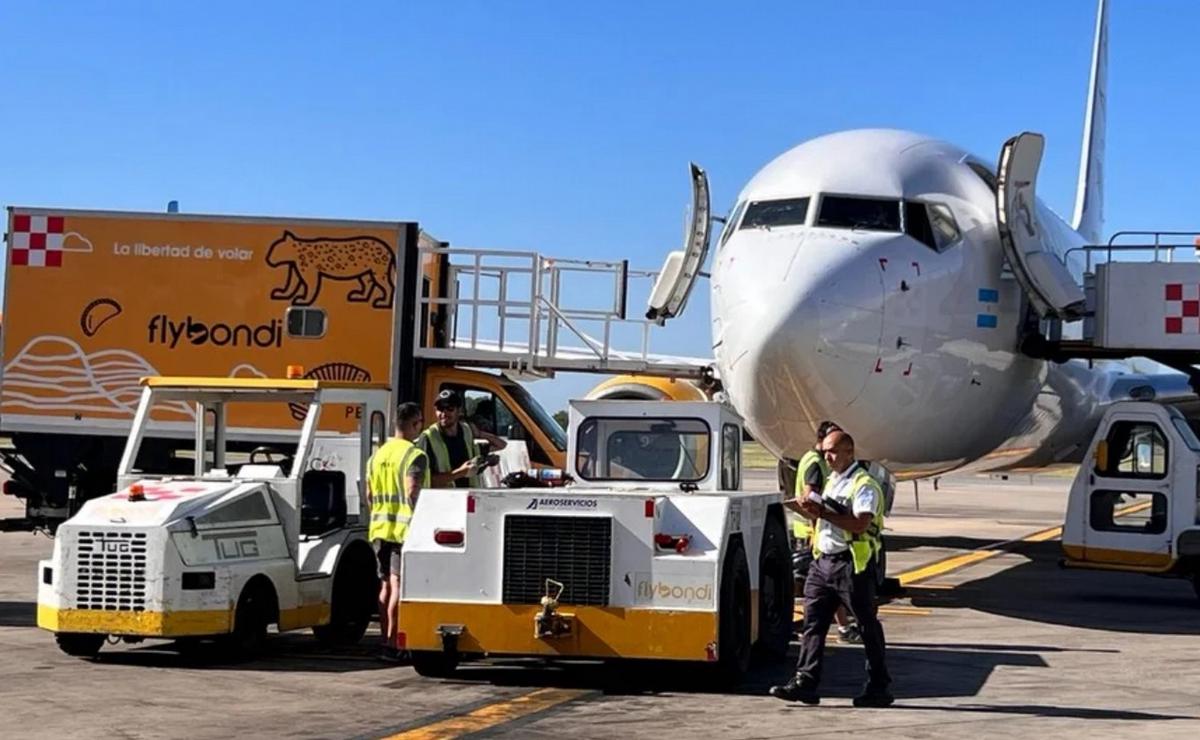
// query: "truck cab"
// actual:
[[501, 406], [1134, 504], [277, 536]]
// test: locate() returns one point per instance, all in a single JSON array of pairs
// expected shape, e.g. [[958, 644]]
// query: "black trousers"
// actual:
[[831, 581]]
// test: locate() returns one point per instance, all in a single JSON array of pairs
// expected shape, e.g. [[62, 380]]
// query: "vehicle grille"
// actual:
[[110, 569], [575, 551]]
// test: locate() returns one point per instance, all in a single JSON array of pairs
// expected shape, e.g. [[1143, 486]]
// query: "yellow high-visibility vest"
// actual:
[[387, 476], [864, 546], [441, 453], [802, 529]]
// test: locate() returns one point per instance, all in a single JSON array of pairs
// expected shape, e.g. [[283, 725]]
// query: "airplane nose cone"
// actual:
[[797, 334]]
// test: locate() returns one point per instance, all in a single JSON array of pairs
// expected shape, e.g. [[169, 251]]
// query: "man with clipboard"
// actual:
[[847, 518]]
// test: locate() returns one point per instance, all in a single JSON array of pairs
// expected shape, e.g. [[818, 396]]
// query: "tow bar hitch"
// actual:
[[549, 623]]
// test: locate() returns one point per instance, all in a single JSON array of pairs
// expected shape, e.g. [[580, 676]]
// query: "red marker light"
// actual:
[[448, 537], [678, 543], [649, 508], [470, 504], [137, 493]]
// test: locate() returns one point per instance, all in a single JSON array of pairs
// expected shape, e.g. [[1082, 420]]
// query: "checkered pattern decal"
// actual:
[[1182, 313], [36, 241]]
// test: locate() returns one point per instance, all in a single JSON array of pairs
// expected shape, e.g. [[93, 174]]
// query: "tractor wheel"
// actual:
[[434, 663], [257, 608], [355, 589], [776, 600], [79, 645], [733, 646]]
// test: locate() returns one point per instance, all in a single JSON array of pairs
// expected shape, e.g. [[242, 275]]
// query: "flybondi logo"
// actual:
[[662, 591], [164, 330], [562, 503]]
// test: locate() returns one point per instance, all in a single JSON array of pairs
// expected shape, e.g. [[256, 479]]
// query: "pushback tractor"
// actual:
[[653, 553], [274, 537]]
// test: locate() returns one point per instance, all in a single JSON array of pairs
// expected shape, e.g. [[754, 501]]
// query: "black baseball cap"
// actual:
[[447, 399]]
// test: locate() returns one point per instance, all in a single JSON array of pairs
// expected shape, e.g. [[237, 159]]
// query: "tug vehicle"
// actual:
[[277, 537], [654, 552], [1134, 505]]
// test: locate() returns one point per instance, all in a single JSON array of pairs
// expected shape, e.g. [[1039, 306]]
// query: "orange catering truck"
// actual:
[[94, 301]]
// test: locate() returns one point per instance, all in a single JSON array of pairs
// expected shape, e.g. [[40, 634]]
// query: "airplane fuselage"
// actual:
[[904, 331]]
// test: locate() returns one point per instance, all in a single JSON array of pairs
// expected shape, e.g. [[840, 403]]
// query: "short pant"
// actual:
[[387, 554]]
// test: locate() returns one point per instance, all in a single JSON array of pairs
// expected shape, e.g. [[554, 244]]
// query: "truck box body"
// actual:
[[96, 300]]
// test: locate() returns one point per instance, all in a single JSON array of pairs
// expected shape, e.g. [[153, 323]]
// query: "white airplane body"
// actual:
[[861, 277]]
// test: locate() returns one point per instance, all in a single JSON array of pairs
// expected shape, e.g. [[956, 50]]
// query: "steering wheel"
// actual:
[[267, 452]]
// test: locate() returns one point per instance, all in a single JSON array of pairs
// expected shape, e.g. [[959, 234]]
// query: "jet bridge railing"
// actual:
[[1160, 246], [536, 315]]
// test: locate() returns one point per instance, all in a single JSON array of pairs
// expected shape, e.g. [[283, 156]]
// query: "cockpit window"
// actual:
[[731, 222], [916, 224], [932, 224], [770, 213], [872, 214], [988, 177], [941, 218]]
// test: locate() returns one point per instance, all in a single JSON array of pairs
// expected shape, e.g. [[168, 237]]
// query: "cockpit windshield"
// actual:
[[771, 213], [872, 214]]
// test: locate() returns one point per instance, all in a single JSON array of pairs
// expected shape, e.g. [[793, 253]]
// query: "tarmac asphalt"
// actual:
[[992, 639]]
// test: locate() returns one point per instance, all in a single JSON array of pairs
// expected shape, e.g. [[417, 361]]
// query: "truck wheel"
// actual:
[[434, 663], [776, 600], [79, 645], [355, 589], [255, 611], [733, 648]]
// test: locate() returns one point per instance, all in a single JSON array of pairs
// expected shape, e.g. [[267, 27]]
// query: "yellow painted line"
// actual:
[[894, 610], [941, 567], [492, 715], [1044, 535], [899, 609]]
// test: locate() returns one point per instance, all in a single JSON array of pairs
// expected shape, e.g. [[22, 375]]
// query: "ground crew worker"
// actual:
[[450, 444], [396, 473], [846, 544], [811, 474]]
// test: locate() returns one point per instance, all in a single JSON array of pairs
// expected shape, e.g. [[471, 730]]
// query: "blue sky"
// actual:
[[565, 128]]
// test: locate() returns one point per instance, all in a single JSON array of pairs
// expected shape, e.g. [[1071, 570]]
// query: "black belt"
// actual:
[[843, 555]]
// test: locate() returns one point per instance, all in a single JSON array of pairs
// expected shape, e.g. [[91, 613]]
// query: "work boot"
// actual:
[[389, 654], [874, 698], [796, 690], [850, 634]]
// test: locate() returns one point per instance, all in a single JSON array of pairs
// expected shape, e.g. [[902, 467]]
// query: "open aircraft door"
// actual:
[[1041, 273], [682, 267]]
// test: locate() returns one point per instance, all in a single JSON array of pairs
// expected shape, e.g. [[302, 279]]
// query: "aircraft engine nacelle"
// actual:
[[647, 388]]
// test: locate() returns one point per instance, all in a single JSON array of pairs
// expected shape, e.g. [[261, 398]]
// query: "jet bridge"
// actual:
[[1141, 299]]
